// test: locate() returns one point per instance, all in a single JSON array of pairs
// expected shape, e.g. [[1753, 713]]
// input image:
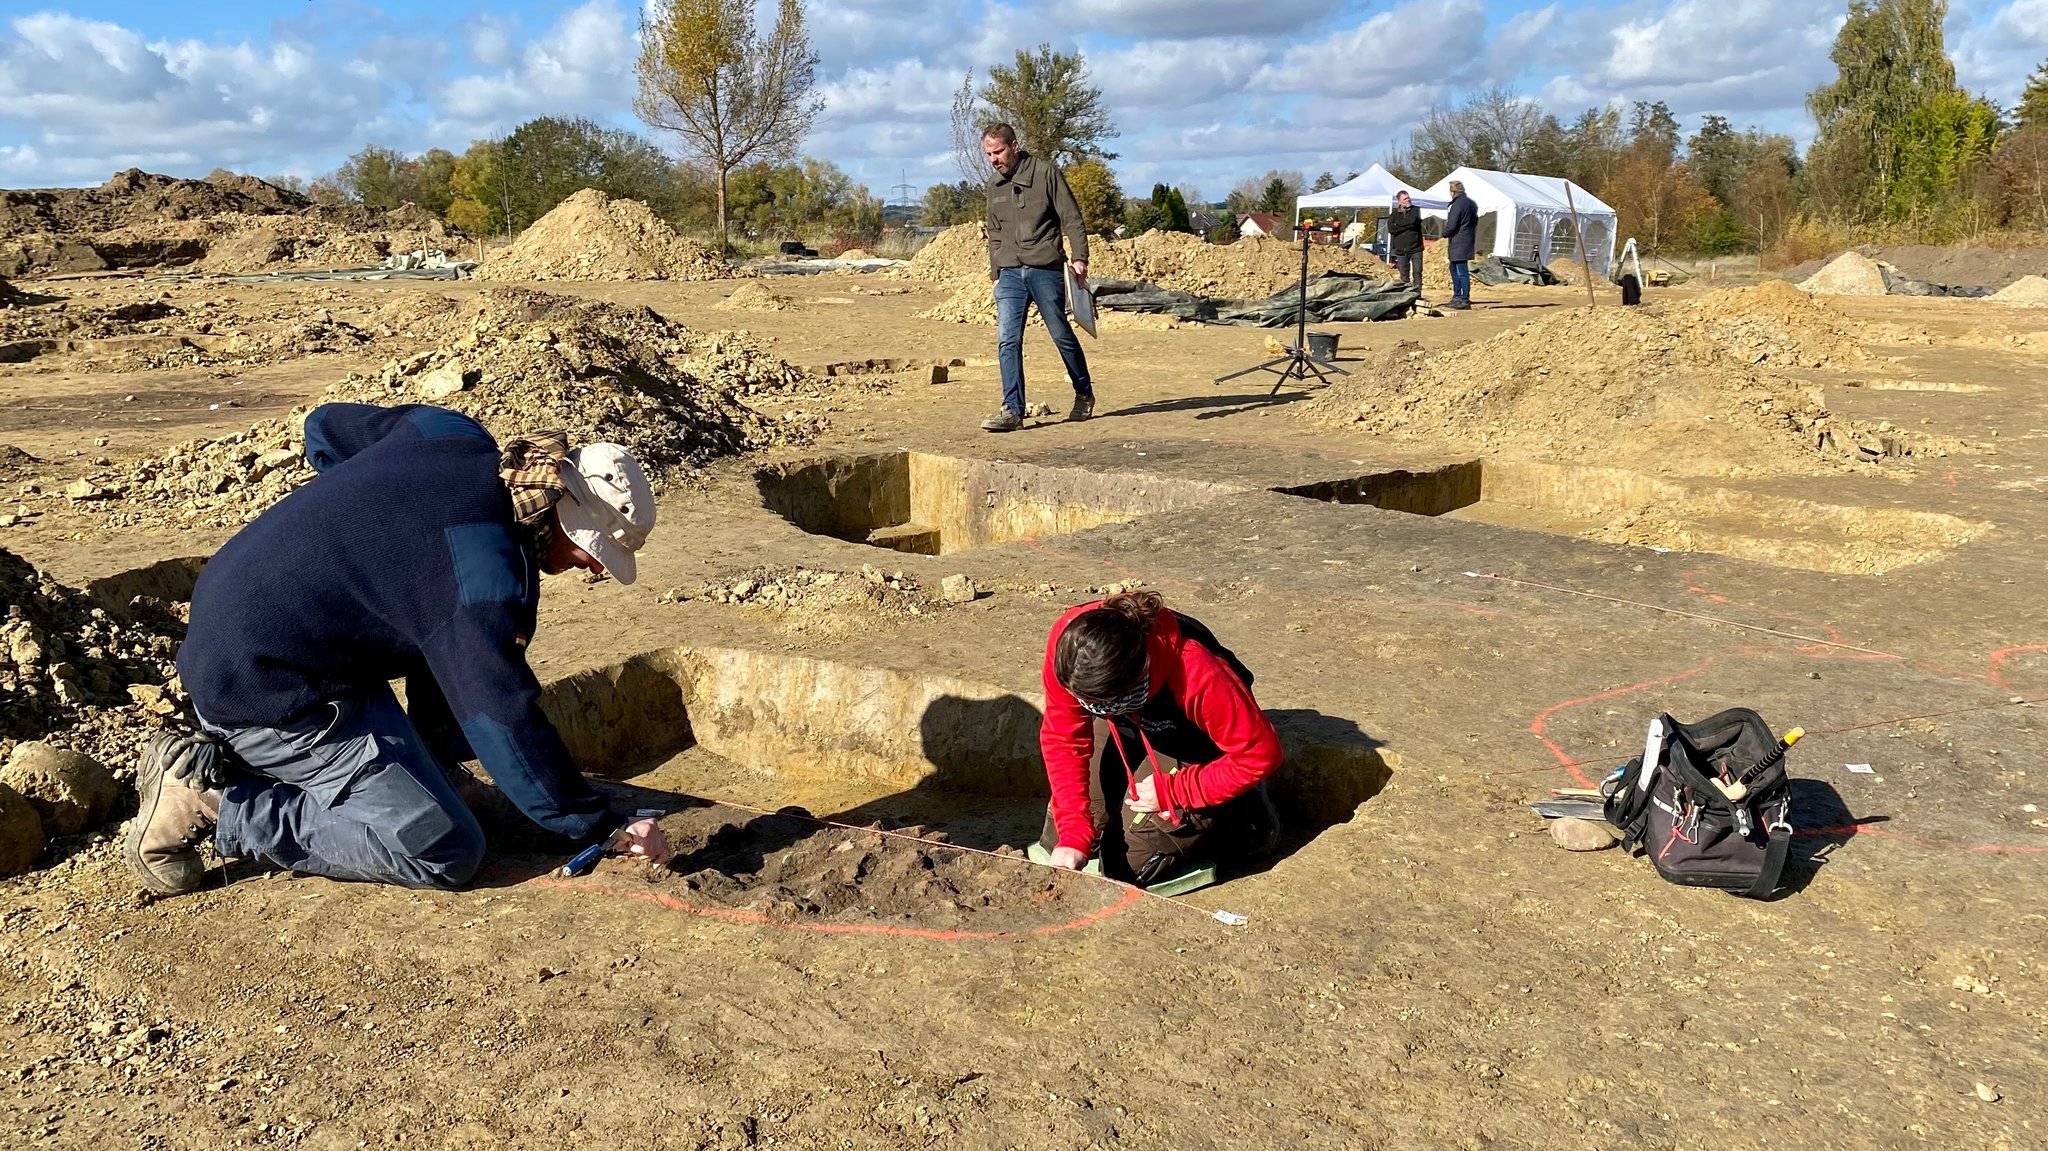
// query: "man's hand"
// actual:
[[1144, 796], [1069, 858], [643, 838], [1080, 270]]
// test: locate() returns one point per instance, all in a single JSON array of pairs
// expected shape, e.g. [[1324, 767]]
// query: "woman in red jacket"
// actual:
[[1144, 703]]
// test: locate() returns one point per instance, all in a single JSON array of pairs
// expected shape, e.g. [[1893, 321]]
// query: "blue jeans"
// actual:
[[1016, 290], [351, 793], [1461, 280]]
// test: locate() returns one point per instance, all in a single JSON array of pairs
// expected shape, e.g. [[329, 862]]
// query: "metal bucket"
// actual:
[[1322, 346]]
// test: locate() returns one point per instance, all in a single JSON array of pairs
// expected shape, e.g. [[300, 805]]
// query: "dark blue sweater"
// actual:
[[401, 552]]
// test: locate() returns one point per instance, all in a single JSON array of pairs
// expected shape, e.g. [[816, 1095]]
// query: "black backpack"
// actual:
[[1674, 802]]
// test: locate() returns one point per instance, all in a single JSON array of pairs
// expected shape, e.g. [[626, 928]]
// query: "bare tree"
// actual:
[[970, 116], [730, 94], [1489, 129]]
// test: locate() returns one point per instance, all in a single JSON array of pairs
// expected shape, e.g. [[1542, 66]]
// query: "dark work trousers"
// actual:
[[1135, 844], [1408, 266], [1016, 290], [352, 792]]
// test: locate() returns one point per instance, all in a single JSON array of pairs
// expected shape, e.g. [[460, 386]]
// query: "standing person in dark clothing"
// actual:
[[1155, 749], [415, 553], [1404, 240], [1029, 208], [1461, 233]]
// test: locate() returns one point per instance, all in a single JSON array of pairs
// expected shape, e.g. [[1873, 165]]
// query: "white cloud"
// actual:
[[1718, 55], [90, 96], [1177, 73], [581, 66], [1419, 41], [1995, 55], [1174, 19]]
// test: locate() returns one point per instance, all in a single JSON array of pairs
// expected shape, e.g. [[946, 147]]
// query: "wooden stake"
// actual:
[[1579, 235]]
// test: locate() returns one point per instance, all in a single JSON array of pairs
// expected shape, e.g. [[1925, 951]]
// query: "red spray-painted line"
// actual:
[[736, 915], [1813, 649]]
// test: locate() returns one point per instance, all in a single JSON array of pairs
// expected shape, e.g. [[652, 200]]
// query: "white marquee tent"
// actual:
[[1372, 188], [1530, 218]]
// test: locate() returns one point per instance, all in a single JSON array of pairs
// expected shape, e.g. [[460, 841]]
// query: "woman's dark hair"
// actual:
[[1102, 652]]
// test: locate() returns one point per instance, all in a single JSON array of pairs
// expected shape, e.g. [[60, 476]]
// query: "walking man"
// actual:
[[414, 554], [1404, 240], [1461, 233], [1029, 208]]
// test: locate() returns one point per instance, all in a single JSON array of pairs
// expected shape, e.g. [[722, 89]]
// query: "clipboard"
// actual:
[[1080, 301]]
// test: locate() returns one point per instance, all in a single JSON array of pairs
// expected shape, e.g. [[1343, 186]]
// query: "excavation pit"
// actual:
[[941, 505], [875, 748], [1612, 505]]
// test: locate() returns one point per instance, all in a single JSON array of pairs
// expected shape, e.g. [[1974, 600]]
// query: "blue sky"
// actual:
[[1206, 92]]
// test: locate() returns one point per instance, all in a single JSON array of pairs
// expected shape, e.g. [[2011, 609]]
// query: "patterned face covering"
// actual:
[[1129, 701]]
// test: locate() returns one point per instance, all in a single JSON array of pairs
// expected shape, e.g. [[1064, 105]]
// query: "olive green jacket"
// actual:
[[1027, 211]]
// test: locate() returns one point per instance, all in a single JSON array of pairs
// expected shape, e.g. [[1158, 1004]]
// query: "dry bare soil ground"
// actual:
[[1421, 969]]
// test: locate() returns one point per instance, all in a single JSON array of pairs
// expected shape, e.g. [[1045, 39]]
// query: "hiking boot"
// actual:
[[1003, 421], [171, 824], [1084, 406], [1458, 305]]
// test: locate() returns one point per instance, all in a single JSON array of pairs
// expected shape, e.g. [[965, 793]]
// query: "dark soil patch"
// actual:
[[797, 870]]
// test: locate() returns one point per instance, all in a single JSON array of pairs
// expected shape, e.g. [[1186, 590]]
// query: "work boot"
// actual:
[[1003, 421], [172, 823], [1084, 406]]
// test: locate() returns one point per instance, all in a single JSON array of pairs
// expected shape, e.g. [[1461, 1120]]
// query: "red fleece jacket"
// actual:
[[1208, 692]]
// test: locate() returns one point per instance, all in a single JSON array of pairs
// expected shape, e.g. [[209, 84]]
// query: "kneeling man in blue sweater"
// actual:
[[414, 554]]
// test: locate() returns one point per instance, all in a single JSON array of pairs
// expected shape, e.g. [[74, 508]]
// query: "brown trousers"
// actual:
[[1142, 846]]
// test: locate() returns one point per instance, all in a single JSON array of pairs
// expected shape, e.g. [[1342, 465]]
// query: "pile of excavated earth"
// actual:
[[755, 297], [82, 686], [1683, 389], [223, 224], [808, 599], [1250, 269], [2025, 292], [591, 236], [1849, 274], [517, 360]]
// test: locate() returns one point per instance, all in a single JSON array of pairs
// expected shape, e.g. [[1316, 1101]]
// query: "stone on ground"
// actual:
[[69, 791], [1582, 834]]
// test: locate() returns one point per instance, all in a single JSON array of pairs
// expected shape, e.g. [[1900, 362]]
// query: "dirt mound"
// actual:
[[74, 675], [591, 236], [225, 224], [1250, 269], [1774, 322], [754, 297], [794, 869], [218, 483], [812, 600], [519, 360], [1938, 264], [957, 253], [1436, 270], [2025, 292], [1849, 274], [135, 197], [1566, 270], [855, 254], [1624, 387], [972, 302]]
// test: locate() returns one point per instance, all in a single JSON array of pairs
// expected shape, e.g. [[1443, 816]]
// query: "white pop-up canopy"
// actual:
[[1372, 188], [1532, 216]]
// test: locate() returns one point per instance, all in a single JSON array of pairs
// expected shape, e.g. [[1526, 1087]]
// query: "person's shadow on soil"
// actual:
[[1218, 405]]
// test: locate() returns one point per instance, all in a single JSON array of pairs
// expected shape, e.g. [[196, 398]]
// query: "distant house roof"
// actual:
[[1268, 222], [1204, 221]]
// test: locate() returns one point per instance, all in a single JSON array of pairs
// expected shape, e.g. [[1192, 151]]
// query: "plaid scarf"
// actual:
[[531, 467]]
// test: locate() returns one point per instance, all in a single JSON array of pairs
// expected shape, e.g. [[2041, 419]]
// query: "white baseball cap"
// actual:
[[609, 507]]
